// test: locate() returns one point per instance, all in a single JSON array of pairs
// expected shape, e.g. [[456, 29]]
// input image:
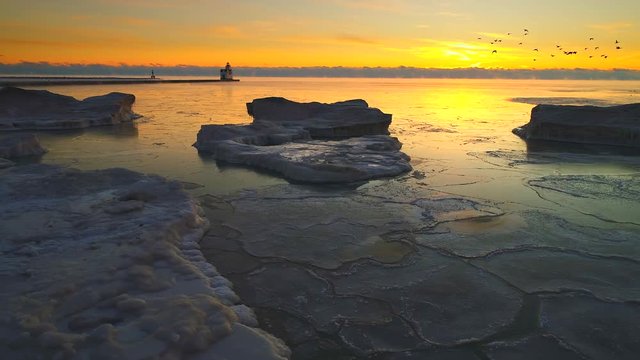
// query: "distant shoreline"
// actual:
[[74, 80], [25, 69]]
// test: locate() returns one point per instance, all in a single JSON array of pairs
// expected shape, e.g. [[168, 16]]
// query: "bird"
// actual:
[[586, 49], [597, 47], [558, 46], [618, 48], [519, 43], [534, 59], [479, 38], [553, 55], [590, 39], [617, 42], [494, 52], [508, 33], [536, 50], [525, 30], [590, 56]]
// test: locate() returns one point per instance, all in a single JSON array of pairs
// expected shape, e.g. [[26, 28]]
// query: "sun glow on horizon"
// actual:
[[425, 34]]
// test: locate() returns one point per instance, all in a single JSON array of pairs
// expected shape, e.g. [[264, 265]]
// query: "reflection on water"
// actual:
[[443, 124], [542, 146]]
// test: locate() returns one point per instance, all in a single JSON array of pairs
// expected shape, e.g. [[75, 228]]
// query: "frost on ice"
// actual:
[[106, 264]]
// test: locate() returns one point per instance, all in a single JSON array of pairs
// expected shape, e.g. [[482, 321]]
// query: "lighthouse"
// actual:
[[226, 74]]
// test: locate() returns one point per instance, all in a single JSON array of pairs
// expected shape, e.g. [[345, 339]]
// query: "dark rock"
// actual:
[[310, 142], [40, 109], [5, 163], [18, 145], [615, 125], [338, 120]]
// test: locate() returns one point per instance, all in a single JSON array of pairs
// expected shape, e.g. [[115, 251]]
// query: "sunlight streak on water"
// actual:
[[458, 132]]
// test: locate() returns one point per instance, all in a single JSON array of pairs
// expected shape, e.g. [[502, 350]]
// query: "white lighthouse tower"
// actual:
[[226, 74]]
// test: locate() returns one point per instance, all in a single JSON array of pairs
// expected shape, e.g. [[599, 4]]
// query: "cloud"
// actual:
[[32, 42], [154, 4], [492, 35], [613, 27], [135, 21], [228, 31], [118, 21], [338, 39], [350, 38], [372, 5], [451, 14], [79, 41]]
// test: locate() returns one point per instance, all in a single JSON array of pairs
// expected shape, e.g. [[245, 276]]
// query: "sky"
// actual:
[[350, 33]]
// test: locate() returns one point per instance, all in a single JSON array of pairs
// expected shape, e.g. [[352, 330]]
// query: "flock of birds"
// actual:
[[560, 50]]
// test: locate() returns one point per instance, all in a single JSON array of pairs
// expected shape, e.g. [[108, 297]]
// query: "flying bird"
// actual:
[[597, 47], [617, 42], [519, 43], [618, 48], [590, 39], [494, 52], [536, 50], [508, 33]]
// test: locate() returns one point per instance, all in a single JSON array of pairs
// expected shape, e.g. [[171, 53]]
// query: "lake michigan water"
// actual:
[[458, 132], [491, 248]]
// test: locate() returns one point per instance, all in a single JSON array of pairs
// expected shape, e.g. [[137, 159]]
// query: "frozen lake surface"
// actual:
[[489, 249]]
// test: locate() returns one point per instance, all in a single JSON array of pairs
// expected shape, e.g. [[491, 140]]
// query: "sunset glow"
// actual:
[[353, 33]]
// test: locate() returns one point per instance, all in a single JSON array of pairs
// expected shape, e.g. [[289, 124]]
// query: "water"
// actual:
[[501, 248], [446, 126]]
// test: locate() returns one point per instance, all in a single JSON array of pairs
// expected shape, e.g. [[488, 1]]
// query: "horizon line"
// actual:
[[60, 69]]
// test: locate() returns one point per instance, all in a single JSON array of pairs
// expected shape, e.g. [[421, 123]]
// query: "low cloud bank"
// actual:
[[49, 69]]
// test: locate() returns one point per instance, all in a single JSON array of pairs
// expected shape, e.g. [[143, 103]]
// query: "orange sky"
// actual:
[[420, 33]]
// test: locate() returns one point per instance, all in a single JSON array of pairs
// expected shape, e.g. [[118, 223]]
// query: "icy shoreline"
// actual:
[[107, 264]]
